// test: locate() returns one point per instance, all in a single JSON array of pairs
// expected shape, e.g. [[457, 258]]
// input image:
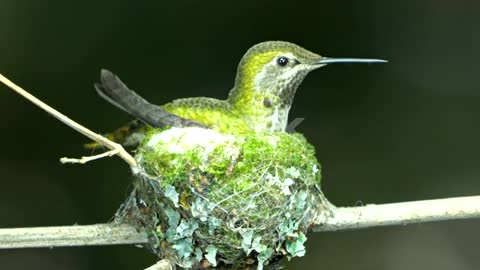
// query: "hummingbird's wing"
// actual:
[[129, 135], [112, 89]]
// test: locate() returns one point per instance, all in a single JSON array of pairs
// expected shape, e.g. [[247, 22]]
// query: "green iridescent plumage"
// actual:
[[214, 113]]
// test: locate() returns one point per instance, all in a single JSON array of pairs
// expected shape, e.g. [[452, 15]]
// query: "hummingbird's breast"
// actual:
[[276, 121], [262, 112]]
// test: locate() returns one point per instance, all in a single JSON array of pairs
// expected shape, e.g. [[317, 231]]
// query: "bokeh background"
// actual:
[[404, 131]]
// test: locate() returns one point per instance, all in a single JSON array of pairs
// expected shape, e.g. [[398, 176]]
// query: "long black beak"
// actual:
[[329, 60]]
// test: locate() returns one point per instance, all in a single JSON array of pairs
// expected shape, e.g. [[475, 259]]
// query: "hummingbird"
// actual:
[[267, 79]]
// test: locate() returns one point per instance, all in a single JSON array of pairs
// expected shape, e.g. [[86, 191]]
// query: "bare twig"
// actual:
[[70, 236], [84, 160], [69, 122], [345, 218]]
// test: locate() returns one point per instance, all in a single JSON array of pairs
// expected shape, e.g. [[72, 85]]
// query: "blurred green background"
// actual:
[[403, 131]]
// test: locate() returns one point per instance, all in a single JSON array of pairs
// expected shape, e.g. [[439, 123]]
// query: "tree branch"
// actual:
[[77, 235], [346, 218], [340, 218], [70, 236]]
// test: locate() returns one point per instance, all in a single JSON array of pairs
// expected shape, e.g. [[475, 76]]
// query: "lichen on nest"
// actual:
[[209, 199]]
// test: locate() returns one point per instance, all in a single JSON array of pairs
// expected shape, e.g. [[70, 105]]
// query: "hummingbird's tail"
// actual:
[[112, 89]]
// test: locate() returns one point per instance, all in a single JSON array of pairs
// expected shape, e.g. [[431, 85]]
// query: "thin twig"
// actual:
[[70, 236], [69, 122], [346, 218], [84, 160]]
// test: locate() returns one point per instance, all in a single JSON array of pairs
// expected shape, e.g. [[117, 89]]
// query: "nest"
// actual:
[[208, 199]]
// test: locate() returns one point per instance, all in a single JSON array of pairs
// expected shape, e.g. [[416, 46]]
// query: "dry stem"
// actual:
[[69, 122]]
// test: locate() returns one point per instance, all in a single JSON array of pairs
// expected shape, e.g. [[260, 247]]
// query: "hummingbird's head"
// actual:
[[274, 70], [269, 74]]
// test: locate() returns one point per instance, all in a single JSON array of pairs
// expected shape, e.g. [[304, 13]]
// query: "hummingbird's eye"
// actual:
[[282, 61]]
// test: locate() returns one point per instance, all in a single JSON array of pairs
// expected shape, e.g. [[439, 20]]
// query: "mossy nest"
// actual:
[[209, 199]]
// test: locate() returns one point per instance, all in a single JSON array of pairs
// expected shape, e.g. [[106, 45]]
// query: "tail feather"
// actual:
[[112, 89]]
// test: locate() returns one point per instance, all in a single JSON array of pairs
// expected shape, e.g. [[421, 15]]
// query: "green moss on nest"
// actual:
[[233, 200]]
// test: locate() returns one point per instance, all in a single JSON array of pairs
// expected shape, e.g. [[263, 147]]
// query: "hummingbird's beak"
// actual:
[[329, 60]]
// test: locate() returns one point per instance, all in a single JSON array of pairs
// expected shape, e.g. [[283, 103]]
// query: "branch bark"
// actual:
[[70, 236], [340, 218], [347, 218]]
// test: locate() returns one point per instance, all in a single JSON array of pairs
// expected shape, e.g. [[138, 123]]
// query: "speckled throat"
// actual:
[[266, 108]]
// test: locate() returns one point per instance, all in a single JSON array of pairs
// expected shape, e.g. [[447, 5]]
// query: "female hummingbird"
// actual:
[[267, 79]]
